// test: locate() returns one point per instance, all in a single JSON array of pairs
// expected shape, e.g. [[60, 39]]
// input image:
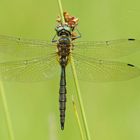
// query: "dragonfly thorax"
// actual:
[[63, 47], [64, 40]]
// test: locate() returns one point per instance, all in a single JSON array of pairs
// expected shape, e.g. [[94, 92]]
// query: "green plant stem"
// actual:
[[6, 111], [78, 119], [61, 11], [80, 99]]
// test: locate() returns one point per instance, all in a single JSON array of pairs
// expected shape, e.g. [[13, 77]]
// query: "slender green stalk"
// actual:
[[61, 11], [7, 114], [78, 119], [80, 99]]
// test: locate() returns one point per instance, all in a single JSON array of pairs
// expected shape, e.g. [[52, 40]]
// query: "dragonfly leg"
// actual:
[[53, 39], [79, 35]]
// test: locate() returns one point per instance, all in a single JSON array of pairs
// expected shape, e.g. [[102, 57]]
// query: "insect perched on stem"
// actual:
[[90, 57]]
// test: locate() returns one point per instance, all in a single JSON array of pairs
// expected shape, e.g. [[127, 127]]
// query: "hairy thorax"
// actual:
[[64, 49]]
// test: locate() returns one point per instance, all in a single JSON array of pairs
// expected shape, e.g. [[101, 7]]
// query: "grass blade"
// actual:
[[61, 11], [7, 114], [78, 119], [80, 99]]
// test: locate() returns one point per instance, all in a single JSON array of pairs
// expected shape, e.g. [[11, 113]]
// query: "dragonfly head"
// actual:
[[63, 30]]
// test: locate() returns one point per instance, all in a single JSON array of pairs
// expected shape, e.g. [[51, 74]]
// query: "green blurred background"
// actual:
[[112, 109]]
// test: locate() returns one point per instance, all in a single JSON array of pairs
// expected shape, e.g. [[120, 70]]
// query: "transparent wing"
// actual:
[[95, 70], [106, 49], [33, 70], [25, 48]]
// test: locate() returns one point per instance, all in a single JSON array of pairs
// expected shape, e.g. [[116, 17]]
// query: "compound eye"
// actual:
[[63, 32], [66, 33]]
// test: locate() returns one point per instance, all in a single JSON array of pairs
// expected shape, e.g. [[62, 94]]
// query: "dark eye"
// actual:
[[66, 34], [63, 32]]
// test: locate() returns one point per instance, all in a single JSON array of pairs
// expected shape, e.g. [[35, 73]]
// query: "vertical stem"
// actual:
[[80, 99], [78, 119], [7, 114], [61, 11]]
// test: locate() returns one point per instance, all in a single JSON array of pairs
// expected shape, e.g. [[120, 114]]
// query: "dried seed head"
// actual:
[[69, 20]]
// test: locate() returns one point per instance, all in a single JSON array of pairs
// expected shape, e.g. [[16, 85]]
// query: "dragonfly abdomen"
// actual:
[[62, 97]]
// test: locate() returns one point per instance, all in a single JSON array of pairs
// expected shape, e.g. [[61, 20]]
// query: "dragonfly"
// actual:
[[39, 59]]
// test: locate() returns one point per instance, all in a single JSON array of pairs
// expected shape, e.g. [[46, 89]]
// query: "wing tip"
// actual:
[[131, 39], [131, 65]]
